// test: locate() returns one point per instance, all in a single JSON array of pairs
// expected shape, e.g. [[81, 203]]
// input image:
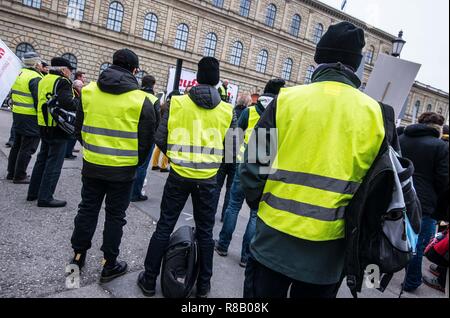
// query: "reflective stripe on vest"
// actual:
[[329, 134], [110, 126], [46, 86], [196, 136], [22, 99], [253, 118]]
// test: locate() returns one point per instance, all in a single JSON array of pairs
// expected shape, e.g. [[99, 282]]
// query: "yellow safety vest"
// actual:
[[329, 134], [110, 126], [223, 93], [22, 99], [196, 136], [253, 118], [45, 87]]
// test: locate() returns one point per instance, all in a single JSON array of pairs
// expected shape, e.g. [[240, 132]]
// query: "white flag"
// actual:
[[10, 68]]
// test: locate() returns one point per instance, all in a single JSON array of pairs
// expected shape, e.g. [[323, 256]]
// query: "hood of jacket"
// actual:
[[116, 80], [264, 101], [420, 130], [336, 72], [205, 96]]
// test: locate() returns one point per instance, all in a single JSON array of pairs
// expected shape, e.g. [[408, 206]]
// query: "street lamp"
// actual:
[[398, 44]]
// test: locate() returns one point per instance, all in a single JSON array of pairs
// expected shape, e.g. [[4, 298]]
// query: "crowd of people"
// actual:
[[328, 136]]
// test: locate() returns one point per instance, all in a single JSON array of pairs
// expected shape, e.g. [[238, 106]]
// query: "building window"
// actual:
[[440, 111], [295, 25], [416, 111], [32, 3], [369, 55], [104, 66], [23, 48], [217, 3], [287, 69], [115, 16], [261, 63], [210, 45], [139, 75], [244, 9], [150, 27], [309, 73], [75, 9], [318, 32], [429, 107], [236, 53], [271, 15], [181, 38], [72, 59]]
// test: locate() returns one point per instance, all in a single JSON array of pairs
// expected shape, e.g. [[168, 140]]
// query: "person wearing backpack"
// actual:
[[422, 145], [192, 134], [328, 135], [49, 162]]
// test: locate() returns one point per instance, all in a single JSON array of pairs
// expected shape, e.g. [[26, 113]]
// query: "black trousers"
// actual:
[[174, 198], [117, 197], [262, 282], [23, 148]]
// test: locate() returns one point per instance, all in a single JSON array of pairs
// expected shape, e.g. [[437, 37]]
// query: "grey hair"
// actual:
[[244, 99], [32, 62]]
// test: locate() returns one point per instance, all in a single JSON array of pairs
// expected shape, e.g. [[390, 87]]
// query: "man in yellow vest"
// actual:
[[24, 95], [115, 124], [328, 135], [192, 134], [223, 91], [50, 159]]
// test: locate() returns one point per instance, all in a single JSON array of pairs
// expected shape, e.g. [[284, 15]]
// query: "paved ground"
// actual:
[[35, 242]]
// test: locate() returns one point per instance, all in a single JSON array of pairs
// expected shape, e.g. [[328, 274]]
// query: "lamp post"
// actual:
[[398, 44]]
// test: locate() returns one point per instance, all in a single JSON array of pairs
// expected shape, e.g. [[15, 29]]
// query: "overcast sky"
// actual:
[[425, 24]]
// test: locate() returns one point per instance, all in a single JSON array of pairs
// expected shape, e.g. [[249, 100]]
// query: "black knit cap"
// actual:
[[126, 59], [274, 85], [208, 71], [61, 62], [343, 42]]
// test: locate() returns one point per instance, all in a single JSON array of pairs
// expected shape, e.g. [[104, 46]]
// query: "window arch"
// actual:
[[75, 9], [370, 54], [23, 48], [236, 53], [416, 111], [429, 108], [32, 3], [217, 3], [261, 63], [244, 8], [115, 16], [295, 25], [309, 73], [287, 69], [150, 27], [104, 66], [181, 38], [318, 32], [271, 15], [210, 45], [72, 59]]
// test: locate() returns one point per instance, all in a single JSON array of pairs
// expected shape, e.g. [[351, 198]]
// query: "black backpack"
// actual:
[[180, 266], [383, 219]]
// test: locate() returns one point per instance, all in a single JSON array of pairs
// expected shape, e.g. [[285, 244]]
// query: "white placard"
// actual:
[[189, 78], [10, 68], [391, 81]]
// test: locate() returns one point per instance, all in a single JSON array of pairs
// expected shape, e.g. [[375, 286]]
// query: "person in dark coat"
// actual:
[[421, 144]]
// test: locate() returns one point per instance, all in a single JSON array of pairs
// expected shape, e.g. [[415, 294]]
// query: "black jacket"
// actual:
[[66, 100], [204, 96], [421, 144], [156, 106], [116, 80], [27, 125]]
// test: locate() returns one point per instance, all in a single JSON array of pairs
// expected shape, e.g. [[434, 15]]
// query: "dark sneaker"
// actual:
[[25, 180], [203, 291], [243, 263], [433, 283], [434, 270], [164, 170], [71, 157], [31, 198], [146, 284], [139, 198], [111, 272], [156, 168], [8, 145], [52, 204], [79, 259], [9, 177], [220, 251]]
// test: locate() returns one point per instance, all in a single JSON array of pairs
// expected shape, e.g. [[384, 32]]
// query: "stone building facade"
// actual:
[[255, 40]]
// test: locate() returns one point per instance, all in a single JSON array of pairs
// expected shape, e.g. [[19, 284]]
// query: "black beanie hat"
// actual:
[[126, 59], [274, 85], [208, 71], [61, 62], [343, 42]]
